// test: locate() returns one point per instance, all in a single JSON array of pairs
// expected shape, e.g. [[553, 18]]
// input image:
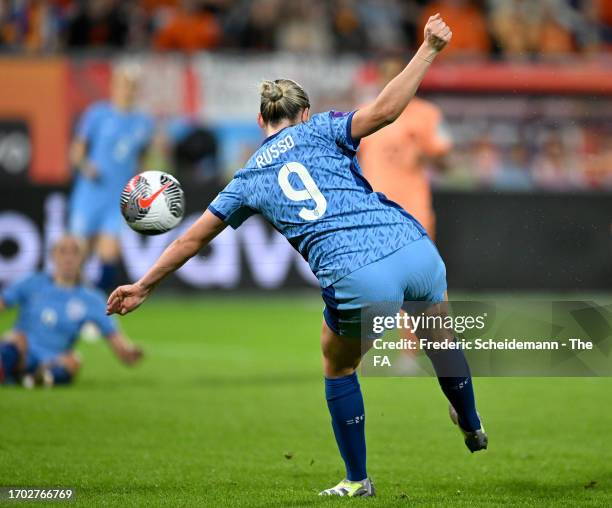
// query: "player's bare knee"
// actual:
[[341, 355], [19, 340], [71, 362]]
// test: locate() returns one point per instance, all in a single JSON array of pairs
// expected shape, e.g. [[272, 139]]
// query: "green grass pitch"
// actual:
[[228, 410]]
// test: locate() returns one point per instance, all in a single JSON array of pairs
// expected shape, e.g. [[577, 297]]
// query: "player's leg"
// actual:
[[426, 283], [13, 350], [60, 370], [452, 370], [341, 356], [345, 338], [108, 249], [65, 367], [84, 218], [455, 380], [94, 220]]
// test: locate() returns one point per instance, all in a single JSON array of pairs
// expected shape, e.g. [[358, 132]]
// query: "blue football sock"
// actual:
[[9, 356], [455, 380], [61, 375], [345, 404], [108, 277]]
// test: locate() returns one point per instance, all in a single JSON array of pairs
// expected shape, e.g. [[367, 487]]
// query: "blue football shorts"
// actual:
[[414, 273], [90, 216]]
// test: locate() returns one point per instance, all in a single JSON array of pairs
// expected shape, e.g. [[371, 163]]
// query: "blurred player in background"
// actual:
[[305, 180], [395, 159], [109, 142], [52, 309]]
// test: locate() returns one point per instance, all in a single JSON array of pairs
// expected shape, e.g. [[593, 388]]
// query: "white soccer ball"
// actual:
[[153, 202]]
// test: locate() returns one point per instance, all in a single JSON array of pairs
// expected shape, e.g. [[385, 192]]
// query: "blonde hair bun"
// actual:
[[271, 91], [282, 99]]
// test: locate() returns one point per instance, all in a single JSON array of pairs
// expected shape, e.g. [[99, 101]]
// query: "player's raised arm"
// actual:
[[127, 298], [397, 94]]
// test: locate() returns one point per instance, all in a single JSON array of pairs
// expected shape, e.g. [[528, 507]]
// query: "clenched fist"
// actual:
[[437, 33]]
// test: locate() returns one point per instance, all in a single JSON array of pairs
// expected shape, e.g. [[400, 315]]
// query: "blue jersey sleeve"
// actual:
[[230, 206], [96, 313], [18, 292], [88, 122], [336, 125]]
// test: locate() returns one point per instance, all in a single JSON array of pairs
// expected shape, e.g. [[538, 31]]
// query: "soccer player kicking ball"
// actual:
[[52, 309], [306, 181]]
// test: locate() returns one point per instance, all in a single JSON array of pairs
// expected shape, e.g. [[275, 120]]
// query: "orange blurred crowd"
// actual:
[[508, 29]]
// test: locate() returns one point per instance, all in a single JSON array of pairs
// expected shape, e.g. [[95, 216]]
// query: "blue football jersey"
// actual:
[[306, 181], [51, 316], [115, 139]]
